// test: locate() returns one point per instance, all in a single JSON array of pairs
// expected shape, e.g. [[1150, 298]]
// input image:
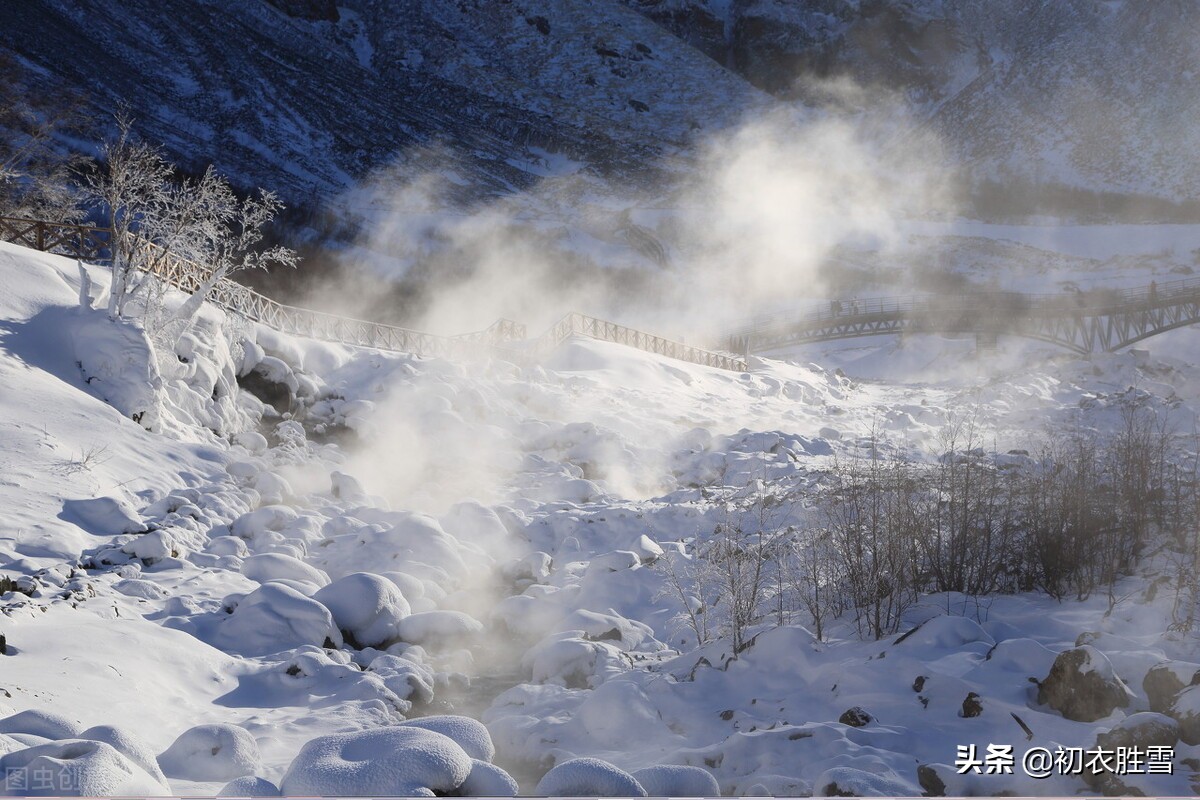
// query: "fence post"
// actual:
[[40, 234]]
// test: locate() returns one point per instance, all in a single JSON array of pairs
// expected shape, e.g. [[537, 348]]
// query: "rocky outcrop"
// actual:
[[1082, 686]]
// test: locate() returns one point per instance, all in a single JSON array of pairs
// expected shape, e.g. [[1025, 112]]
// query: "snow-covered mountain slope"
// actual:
[[1088, 95], [404, 536], [310, 99], [309, 106]]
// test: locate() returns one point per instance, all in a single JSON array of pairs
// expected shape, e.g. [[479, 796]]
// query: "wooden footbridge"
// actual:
[[1085, 322], [504, 339]]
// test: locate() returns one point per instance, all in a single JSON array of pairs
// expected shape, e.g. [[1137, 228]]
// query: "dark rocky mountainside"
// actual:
[[310, 96]]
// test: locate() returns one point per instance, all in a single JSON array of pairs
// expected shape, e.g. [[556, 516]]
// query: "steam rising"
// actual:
[[747, 226]]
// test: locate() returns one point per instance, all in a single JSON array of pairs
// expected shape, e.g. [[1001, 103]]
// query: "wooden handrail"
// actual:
[[501, 339]]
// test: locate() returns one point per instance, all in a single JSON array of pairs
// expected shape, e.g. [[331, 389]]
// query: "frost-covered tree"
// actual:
[[159, 221]]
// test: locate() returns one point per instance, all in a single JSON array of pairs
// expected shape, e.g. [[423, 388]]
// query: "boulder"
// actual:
[[856, 717], [1082, 686], [1186, 711], [1167, 679]]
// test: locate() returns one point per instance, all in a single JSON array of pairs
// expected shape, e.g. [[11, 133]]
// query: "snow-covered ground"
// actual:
[[243, 591]]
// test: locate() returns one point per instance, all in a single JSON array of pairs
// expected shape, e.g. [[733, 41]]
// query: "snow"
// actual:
[[272, 618], [677, 781], [76, 768], [469, 734], [588, 776], [213, 752], [368, 607], [394, 761], [491, 547]]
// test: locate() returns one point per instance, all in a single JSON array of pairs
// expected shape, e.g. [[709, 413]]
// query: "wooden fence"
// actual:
[[503, 339]]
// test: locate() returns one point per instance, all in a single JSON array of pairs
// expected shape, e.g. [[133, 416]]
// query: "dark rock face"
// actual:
[[1166, 680], [315, 10], [856, 717], [1082, 686]]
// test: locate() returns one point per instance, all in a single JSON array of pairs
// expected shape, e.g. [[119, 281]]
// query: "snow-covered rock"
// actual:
[[249, 786], [129, 745], [1164, 681], [1082, 685], [267, 567], [488, 780], [677, 781], [582, 777], [469, 734], [104, 516], [1186, 711], [76, 768], [367, 608], [275, 617], [47, 724], [438, 627], [395, 761], [213, 752]]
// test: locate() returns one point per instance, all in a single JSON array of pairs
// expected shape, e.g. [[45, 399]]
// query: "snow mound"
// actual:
[[249, 786], [367, 608], [488, 780], [46, 724], [267, 567], [385, 761], [103, 516], [472, 522], [215, 752], [469, 734], [438, 627], [118, 365], [405, 542], [677, 781], [406, 678], [76, 768], [275, 617], [129, 745], [580, 777], [618, 714]]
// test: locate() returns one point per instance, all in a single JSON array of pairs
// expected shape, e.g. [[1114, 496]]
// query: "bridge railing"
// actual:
[[502, 339], [996, 305], [576, 324]]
